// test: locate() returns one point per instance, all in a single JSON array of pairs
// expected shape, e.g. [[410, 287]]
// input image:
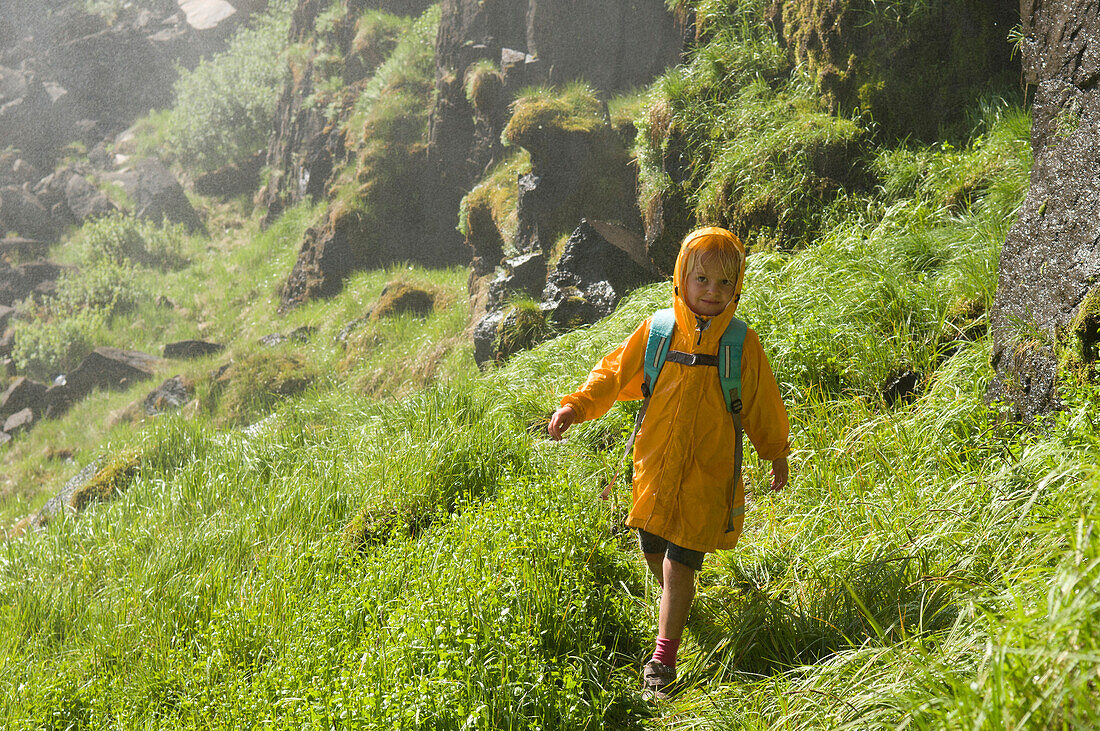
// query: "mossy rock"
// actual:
[[485, 89], [487, 215], [399, 297], [255, 384], [546, 112], [1080, 351], [523, 326], [113, 478], [911, 67], [580, 166], [373, 526]]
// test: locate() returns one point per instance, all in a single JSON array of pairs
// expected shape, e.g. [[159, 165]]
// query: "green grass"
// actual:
[[392, 542]]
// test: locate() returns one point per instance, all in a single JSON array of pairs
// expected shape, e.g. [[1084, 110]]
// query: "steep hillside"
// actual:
[[329, 515]]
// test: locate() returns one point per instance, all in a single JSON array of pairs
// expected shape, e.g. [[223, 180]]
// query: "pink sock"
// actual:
[[666, 651]]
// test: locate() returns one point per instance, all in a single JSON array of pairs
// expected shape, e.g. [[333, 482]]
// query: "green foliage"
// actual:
[[48, 344], [124, 240], [225, 107], [911, 67], [735, 137], [250, 387], [111, 255], [783, 162], [524, 325]]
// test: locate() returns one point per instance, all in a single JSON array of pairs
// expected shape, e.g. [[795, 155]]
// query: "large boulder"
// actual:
[[22, 393], [580, 167], [110, 368], [168, 396], [19, 282], [1046, 314], [601, 262], [85, 201], [23, 214], [19, 422], [611, 44], [157, 195]]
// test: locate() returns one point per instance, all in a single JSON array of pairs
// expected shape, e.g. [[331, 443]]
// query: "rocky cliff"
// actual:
[[484, 53], [1046, 315]]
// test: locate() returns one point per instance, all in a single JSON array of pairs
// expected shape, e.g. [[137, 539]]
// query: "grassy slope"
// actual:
[[402, 548]]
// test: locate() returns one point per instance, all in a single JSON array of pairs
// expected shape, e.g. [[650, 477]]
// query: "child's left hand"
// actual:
[[780, 473]]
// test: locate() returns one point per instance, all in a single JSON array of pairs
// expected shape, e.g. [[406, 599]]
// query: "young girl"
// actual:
[[686, 499]]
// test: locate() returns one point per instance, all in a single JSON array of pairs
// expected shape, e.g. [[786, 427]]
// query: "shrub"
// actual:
[[225, 107], [46, 345], [121, 239], [103, 285]]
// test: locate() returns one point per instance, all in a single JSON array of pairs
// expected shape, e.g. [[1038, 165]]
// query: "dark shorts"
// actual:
[[655, 544]]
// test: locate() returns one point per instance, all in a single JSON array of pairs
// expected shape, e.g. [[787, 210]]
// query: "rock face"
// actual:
[[913, 66], [1046, 314], [611, 44], [66, 75], [600, 264], [485, 51]]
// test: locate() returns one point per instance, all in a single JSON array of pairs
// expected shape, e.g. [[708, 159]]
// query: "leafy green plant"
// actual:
[[46, 346], [225, 107], [122, 239]]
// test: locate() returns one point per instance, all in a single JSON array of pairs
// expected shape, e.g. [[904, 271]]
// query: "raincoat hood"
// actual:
[[705, 239]]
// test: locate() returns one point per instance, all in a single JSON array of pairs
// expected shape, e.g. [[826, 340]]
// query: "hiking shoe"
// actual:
[[656, 678]]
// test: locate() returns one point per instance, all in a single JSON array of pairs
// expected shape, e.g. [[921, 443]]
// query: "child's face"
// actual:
[[707, 291]]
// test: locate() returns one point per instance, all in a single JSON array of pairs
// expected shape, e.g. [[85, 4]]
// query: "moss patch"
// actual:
[[112, 479], [254, 385], [398, 297]]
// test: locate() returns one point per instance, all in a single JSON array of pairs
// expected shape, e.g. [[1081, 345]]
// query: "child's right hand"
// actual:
[[562, 419]]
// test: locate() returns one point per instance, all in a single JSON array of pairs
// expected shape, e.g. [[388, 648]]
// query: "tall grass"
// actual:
[[399, 546]]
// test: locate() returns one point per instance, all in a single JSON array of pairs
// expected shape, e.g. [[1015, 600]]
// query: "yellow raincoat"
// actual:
[[684, 487]]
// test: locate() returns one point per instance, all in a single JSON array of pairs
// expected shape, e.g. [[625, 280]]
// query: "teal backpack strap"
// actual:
[[661, 326], [729, 363], [729, 375]]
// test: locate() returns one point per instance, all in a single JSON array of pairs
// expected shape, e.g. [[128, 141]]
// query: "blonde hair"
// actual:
[[721, 250]]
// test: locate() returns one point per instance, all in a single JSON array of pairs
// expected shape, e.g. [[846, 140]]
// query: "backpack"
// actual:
[[727, 361]]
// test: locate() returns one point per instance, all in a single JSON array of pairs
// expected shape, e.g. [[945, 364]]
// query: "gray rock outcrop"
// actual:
[[1046, 313], [157, 195], [600, 264]]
